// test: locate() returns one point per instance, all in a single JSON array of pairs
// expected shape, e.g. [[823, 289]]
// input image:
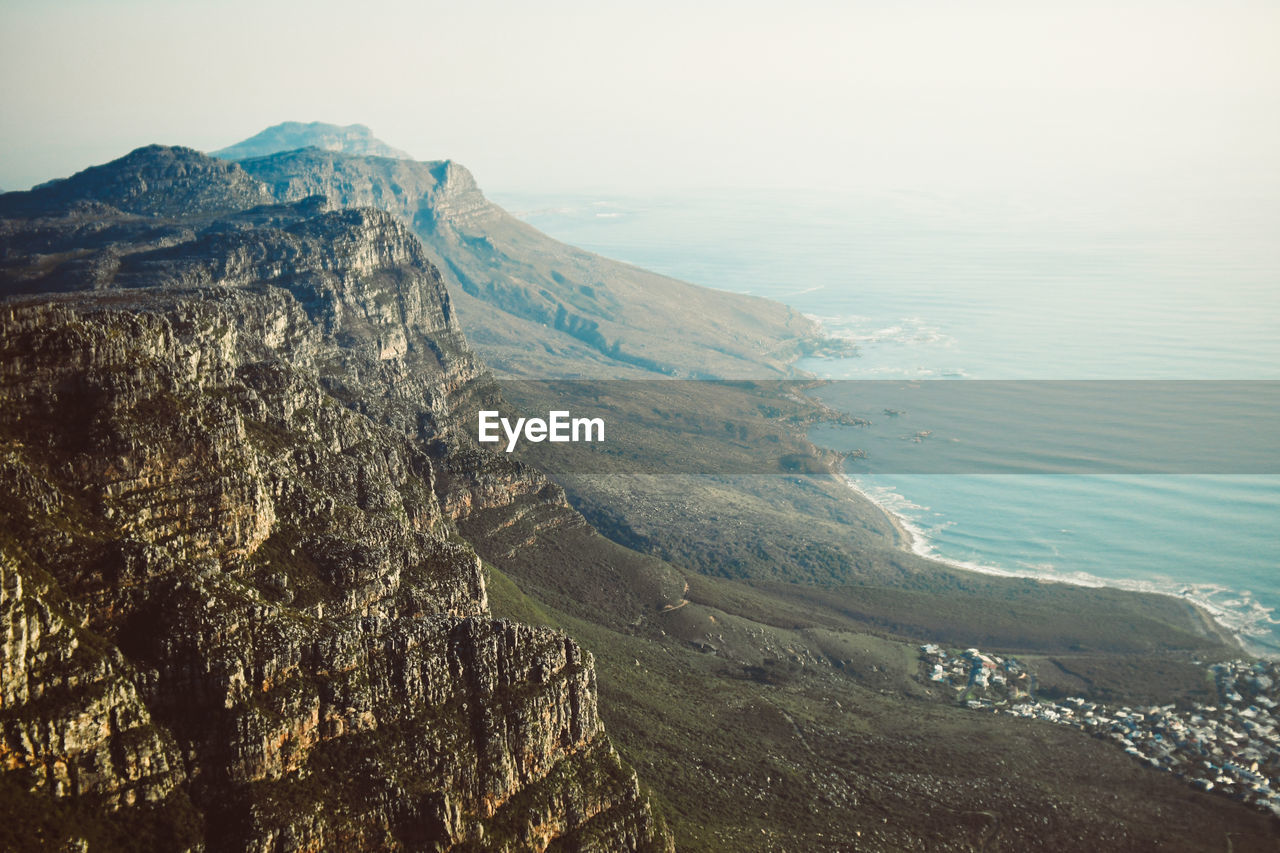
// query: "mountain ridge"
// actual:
[[594, 316]]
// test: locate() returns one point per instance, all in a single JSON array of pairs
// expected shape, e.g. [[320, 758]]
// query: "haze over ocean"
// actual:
[[937, 286]]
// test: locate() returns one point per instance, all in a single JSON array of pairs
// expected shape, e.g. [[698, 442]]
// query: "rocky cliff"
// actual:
[[236, 612]]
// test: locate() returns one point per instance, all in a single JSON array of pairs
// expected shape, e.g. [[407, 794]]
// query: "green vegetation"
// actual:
[[506, 601], [831, 735]]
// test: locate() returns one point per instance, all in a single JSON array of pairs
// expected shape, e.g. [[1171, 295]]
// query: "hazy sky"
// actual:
[[610, 96]]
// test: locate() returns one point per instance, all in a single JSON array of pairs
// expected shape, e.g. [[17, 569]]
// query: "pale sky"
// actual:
[[660, 95]]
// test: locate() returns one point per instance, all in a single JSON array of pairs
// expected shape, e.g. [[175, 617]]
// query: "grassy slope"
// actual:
[[799, 752], [768, 715], [567, 312]]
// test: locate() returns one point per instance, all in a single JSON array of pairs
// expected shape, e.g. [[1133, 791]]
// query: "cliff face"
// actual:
[[236, 610]]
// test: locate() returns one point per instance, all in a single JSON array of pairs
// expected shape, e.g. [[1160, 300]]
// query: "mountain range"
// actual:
[[261, 590]]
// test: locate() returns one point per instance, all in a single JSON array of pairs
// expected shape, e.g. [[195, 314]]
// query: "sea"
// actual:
[[983, 286]]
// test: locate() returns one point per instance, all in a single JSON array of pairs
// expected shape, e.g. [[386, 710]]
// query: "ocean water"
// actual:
[[930, 286]]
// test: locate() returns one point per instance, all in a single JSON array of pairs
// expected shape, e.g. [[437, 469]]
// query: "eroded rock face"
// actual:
[[235, 612]]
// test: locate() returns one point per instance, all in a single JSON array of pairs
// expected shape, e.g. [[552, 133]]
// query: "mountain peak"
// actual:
[[155, 180], [292, 135]]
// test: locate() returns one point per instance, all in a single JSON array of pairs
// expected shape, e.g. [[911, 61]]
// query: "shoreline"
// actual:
[[913, 540]]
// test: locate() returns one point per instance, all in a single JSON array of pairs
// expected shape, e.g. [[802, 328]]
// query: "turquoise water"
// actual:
[[936, 287]]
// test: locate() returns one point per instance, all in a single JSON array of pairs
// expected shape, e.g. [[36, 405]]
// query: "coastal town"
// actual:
[[1230, 748]]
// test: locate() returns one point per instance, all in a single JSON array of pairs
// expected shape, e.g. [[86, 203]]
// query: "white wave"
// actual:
[[1240, 615], [906, 331], [543, 211]]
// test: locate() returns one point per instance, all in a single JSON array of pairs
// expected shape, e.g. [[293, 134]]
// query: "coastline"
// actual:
[[1243, 623], [912, 539]]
